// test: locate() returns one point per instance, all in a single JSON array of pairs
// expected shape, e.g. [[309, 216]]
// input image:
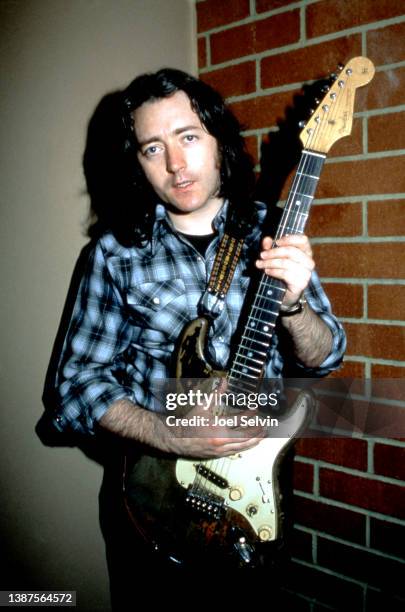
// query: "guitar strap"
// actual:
[[225, 263], [213, 299]]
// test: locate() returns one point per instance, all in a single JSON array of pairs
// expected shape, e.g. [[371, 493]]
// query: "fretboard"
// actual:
[[251, 355]]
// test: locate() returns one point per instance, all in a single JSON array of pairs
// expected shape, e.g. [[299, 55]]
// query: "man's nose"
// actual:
[[175, 159]]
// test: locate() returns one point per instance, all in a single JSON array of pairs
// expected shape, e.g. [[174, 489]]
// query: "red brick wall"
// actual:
[[350, 503]]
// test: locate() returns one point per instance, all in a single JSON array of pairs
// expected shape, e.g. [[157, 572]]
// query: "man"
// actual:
[[147, 277]]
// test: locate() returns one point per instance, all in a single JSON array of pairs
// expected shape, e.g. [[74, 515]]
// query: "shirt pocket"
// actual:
[[159, 306]]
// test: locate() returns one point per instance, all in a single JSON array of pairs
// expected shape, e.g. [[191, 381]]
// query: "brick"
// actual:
[[367, 493], [293, 601], [202, 52], [255, 37], [386, 45], [332, 15], [386, 132], [270, 5], [388, 382], [362, 565], [340, 451], [386, 371], [353, 372], [386, 218], [303, 476], [387, 537], [386, 89], [349, 369], [346, 300], [389, 461], [335, 521], [215, 13], [386, 302], [312, 63], [335, 220], [233, 80], [382, 421], [326, 588], [301, 545], [363, 176], [379, 341], [383, 600], [360, 260], [263, 111]]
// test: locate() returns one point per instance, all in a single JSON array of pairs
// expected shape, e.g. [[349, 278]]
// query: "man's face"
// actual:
[[179, 157]]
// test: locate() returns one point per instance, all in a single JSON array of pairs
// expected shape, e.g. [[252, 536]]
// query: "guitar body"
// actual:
[[216, 510]]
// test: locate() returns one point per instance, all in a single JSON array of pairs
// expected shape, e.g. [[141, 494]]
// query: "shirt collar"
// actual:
[[163, 223]]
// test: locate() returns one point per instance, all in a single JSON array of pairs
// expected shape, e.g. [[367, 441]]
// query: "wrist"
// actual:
[[293, 309]]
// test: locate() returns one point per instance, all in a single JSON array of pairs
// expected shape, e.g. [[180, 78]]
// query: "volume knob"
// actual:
[[236, 493], [265, 532]]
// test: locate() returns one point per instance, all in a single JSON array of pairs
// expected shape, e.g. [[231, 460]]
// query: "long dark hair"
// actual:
[[126, 205]]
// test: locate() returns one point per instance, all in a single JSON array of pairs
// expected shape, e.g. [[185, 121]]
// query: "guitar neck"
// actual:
[[251, 355]]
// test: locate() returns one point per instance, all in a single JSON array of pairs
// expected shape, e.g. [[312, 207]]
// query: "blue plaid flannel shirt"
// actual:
[[130, 309]]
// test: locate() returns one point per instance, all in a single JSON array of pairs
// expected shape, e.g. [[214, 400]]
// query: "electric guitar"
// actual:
[[228, 508]]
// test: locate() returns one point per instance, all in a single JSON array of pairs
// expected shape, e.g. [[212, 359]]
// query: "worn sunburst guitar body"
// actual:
[[227, 508]]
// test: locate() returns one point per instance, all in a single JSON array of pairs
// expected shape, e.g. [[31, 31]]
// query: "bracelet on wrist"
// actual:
[[296, 308]]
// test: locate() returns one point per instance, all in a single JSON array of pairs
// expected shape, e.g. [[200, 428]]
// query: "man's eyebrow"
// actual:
[[176, 132]]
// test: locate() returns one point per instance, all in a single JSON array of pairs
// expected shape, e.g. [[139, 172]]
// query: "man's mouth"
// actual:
[[183, 184]]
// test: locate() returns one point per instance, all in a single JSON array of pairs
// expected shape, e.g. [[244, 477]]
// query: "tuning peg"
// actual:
[[333, 76], [340, 66], [302, 124], [317, 100], [325, 88]]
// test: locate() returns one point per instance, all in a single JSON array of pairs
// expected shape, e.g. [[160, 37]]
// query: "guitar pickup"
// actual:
[[217, 480]]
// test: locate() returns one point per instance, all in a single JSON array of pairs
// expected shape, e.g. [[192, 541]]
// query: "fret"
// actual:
[[309, 175], [308, 152], [266, 294], [250, 353], [264, 310], [291, 230], [246, 367], [255, 319], [234, 387], [260, 362], [266, 344], [303, 195]]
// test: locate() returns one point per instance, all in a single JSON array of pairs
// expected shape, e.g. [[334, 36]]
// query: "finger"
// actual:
[[300, 241], [297, 265], [267, 242], [295, 276], [232, 449], [287, 254]]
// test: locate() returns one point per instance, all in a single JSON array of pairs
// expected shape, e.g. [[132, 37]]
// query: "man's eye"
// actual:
[[151, 151], [190, 137]]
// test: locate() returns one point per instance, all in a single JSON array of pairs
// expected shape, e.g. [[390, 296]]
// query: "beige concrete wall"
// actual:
[[58, 59]]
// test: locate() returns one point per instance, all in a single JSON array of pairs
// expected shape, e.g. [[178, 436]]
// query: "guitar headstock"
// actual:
[[333, 117]]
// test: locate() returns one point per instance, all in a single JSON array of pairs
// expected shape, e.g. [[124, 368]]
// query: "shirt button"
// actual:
[[221, 338], [156, 300]]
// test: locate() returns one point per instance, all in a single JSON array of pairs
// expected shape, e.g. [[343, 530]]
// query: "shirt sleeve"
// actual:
[[90, 373], [319, 302]]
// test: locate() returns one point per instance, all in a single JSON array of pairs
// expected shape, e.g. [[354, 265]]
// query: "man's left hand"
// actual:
[[290, 261]]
